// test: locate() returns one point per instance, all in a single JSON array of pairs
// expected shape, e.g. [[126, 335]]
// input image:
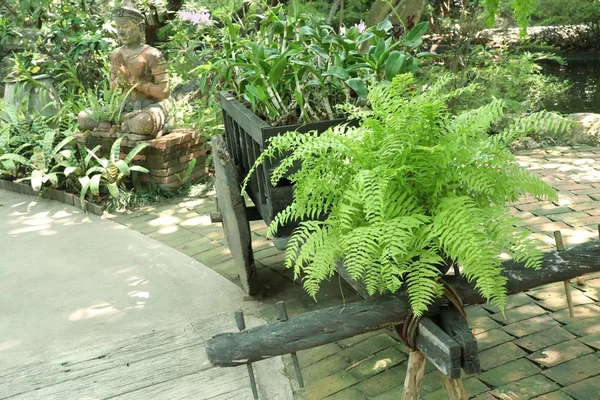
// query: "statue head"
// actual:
[[130, 23]]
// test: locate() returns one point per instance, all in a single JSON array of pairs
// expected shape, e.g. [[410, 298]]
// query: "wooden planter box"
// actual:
[[247, 136]]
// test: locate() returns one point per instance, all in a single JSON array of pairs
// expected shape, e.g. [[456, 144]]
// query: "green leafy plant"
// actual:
[[47, 160], [516, 78], [109, 172], [295, 68], [22, 140], [411, 191]]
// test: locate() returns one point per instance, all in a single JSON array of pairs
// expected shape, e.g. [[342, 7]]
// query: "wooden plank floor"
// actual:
[[162, 364]]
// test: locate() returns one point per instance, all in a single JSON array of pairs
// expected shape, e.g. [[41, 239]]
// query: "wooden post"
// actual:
[[455, 388], [560, 246], [415, 371]]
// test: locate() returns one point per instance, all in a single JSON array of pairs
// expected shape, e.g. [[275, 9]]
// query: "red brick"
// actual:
[[534, 206], [547, 227], [585, 221], [572, 186]]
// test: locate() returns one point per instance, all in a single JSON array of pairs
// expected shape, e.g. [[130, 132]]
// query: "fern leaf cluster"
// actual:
[[410, 190]]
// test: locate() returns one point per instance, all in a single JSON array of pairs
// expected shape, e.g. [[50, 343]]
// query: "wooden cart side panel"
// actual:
[[249, 122], [233, 214]]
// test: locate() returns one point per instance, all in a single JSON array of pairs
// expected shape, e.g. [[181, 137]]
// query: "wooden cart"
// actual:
[[246, 136], [444, 339]]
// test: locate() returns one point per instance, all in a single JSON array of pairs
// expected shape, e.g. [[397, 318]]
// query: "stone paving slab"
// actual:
[[533, 351]]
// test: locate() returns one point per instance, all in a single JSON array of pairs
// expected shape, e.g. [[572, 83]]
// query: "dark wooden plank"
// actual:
[[243, 116], [439, 348], [336, 323], [457, 328], [259, 174], [232, 208], [319, 126]]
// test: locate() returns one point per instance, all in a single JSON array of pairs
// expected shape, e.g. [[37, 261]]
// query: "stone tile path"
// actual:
[[534, 351]]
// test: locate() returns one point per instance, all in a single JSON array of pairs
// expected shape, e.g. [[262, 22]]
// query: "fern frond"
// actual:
[[408, 190]]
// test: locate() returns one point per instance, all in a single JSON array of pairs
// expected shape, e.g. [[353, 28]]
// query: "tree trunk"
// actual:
[[173, 6], [332, 11], [410, 12]]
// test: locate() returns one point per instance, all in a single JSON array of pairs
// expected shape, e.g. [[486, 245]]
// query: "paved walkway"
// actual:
[[536, 352], [92, 310]]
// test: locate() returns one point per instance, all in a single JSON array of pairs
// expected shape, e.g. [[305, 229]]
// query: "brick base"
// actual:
[[166, 158]]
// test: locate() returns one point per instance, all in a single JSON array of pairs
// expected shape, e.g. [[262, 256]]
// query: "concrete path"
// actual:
[[93, 310]]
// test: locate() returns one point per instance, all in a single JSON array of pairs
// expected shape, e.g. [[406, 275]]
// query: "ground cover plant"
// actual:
[[411, 191]]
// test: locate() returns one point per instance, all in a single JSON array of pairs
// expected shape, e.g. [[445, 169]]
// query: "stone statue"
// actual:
[[137, 65]]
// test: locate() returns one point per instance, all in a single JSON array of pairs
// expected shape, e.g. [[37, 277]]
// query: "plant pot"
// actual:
[[34, 96], [247, 136]]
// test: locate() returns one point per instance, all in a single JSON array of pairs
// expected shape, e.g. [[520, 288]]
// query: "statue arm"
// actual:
[[159, 88], [114, 69]]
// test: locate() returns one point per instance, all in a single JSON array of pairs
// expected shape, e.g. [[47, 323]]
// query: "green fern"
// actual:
[[410, 191]]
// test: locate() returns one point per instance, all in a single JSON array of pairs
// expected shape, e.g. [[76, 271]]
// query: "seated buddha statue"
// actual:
[[140, 70]]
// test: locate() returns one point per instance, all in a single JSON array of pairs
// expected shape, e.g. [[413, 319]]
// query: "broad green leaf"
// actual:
[[395, 64], [364, 37], [115, 150], [384, 25], [36, 179], [62, 144], [135, 151], [69, 170], [306, 31], [359, 86], [319, 51], [123, 167], [338, 72], [47, 144], [276, 72], [16, 158], [257, 91], [91, 153], [53, 178], [138, 168], [299, 98], [113, 189], [417, 32], [379, 50], [95, 184], [85, 186]]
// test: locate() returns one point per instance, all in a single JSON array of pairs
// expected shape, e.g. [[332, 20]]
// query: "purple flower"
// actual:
[[196, 17]]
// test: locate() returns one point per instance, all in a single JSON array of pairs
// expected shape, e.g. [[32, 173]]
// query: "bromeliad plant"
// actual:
[[408, 193], [109, 172], [297, 69]]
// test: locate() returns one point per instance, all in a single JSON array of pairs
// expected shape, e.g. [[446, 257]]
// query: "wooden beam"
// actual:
[[457, 328], [439, 348], [336, 323], [455, 388], [415, 371]]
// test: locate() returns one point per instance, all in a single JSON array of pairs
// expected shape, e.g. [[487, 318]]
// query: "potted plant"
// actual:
[[408, 191], [292, 74], [295, 69]]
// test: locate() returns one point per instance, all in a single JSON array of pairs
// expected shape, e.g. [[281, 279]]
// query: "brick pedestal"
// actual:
[[167, 158]]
